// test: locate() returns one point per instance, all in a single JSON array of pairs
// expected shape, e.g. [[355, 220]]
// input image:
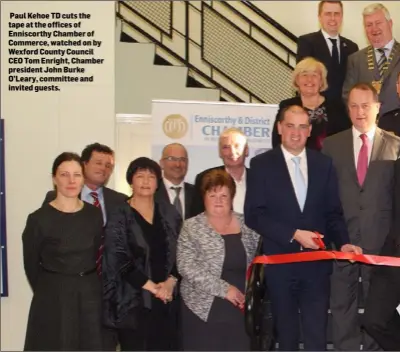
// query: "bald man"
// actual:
[[174, 163]]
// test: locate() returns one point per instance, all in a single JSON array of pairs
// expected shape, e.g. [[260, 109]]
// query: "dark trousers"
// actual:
[[293, 291], [381, 319], [346, 330]]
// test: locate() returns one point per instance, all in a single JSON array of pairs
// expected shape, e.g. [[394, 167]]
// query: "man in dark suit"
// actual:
[[390, 121], [364, 157], [174, 163], [233, 150], [292, 192], [381, 319], [328, 46], [379, 63], [98, 162]]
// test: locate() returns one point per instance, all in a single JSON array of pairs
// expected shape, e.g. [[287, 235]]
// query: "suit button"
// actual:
[[361, 208]]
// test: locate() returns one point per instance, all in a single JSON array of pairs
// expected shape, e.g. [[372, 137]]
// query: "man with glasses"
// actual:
[[174, 162]]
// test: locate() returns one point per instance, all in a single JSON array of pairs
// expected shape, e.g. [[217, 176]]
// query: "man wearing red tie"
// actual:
[[364, 157]]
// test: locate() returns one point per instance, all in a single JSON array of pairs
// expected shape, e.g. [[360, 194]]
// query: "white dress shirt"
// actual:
[[329, 43], [172, 193], [388, 49], [357, 143], [291, 167], [240, 195]]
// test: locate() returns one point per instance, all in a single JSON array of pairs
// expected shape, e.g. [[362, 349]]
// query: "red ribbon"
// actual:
[[323, 255]]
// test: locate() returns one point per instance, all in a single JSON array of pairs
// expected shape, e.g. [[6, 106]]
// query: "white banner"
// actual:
[[197, 125]]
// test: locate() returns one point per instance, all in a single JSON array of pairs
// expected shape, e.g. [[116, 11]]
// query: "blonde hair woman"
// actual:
[[327, 116]]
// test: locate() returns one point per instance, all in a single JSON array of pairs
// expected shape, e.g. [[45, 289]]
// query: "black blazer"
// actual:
[[111, 199], [197, 203], [314, 45], [338, 119], [162, 194], [126, 252]]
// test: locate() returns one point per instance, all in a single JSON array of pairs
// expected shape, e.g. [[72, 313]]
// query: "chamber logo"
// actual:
[[175, 126]]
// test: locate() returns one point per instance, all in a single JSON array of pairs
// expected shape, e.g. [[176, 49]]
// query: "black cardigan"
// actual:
[[338, 119], [125, 253]]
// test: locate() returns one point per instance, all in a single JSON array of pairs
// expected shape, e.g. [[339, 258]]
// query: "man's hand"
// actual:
[[350, 248], [306, 238]]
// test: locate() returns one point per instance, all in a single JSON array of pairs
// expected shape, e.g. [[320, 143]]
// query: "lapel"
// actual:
[[396, 58], [343, 51], [107, 201], [322, 46], [377, 148], [188, 199], [349, 156], [312, 171], [374, 75], [286, 179], [162, 192]]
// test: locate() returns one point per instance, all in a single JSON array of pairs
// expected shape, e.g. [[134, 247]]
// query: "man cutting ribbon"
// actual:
[[292, 192]]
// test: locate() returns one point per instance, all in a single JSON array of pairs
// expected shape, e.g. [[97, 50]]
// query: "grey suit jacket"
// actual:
[[200, 260], [162, 194], [367, 209], [357, 72]]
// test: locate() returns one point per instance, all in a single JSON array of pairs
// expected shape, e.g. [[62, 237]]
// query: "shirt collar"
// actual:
[[243, 179], [289, 156], [370, 134], [388, 46], [327, 36], [86, 191], [168, 184]]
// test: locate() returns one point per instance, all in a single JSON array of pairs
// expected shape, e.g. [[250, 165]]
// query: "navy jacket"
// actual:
[[272, 209]]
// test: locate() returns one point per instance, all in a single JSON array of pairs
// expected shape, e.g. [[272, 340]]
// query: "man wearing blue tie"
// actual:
[[292, 194]]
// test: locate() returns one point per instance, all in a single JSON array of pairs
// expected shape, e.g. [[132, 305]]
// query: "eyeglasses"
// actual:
[[174, 158]]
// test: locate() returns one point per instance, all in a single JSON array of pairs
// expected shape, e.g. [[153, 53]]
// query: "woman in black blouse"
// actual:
[[139, 272], [60, 246], [327, 116]]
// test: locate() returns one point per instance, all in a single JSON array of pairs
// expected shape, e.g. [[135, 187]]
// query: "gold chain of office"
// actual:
[[371, 61]]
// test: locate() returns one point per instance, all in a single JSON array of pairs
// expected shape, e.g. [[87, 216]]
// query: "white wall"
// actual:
[[38, 127], [301, 17]]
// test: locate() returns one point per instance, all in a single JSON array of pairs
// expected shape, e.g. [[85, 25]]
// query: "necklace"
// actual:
[[377, 84]]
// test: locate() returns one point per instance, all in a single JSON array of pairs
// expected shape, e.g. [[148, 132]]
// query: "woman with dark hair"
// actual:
[[60, 245], [139, 273], [214, 251]]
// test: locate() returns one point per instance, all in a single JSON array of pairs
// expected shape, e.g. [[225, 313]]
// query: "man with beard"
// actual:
[[233, 150]]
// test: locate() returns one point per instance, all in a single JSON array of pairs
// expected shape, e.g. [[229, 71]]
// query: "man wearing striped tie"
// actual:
[[98, 160], [379, 63]]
